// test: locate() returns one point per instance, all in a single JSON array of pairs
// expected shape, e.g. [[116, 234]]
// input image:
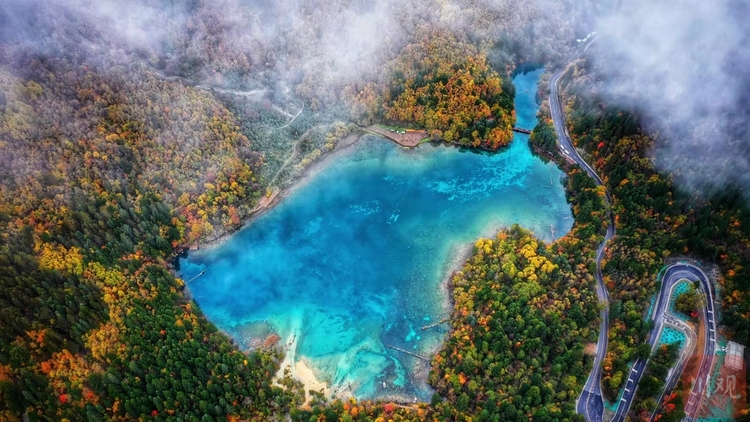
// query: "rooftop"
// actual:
[[734, 358]]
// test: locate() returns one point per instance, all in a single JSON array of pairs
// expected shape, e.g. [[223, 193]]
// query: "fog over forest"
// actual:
[[133, 131], [684, 66], [318, 44]]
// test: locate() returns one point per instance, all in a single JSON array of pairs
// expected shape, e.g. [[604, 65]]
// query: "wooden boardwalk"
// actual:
[[407, 352]]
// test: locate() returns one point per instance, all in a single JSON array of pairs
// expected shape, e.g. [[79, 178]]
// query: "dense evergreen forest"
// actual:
[[98, 188], [523, 313], [115, 150]]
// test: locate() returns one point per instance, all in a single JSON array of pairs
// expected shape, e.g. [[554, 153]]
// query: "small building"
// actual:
[[735, 356]]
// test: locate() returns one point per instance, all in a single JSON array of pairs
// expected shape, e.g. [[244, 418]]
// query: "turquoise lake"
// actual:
[[356, 259]]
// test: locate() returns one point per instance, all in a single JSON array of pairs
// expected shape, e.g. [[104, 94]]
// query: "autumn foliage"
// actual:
[[103, 173], [521, 316], [655, 220], [445, 86]]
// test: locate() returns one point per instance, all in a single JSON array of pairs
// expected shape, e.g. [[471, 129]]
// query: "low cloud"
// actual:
[[685, 65]]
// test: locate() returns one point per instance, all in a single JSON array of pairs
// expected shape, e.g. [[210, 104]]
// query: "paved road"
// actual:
[[697, 392], [676, 372], [690, 272], [673, 275], [563, 140], [590, 404]]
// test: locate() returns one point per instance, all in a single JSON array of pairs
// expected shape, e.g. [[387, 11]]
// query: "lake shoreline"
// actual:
[[300, 370], [304, 371], [460, 197], [307, 174], [343, 146]]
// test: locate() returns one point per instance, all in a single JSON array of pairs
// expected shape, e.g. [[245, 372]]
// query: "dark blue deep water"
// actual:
[[357, 258]]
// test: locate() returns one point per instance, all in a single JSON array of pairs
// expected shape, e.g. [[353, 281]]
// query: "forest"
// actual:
[[446, 87], [523, 313], [655, 220], [98, 188], [652, 383], [118, 148]]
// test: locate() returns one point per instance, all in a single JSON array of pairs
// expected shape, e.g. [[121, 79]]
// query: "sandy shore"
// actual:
[[300, 370], [305, 374]]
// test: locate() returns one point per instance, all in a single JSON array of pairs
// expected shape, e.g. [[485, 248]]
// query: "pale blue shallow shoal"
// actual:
[[354, 260]]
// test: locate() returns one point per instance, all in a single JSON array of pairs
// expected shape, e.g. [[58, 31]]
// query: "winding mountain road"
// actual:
[[709, 347], [675, 373], [673, 275], [591, 403]]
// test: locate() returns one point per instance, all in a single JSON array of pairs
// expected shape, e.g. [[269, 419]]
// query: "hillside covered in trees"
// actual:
[[445, 86], [523, 313], [129, 131], [103, 175], [655, 220]]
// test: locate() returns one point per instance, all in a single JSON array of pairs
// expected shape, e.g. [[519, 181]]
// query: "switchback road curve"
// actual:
[[673, 275], [591, 404]]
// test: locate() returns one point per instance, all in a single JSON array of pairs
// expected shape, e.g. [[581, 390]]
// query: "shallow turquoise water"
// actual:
[[355, 259], [670, 336]]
